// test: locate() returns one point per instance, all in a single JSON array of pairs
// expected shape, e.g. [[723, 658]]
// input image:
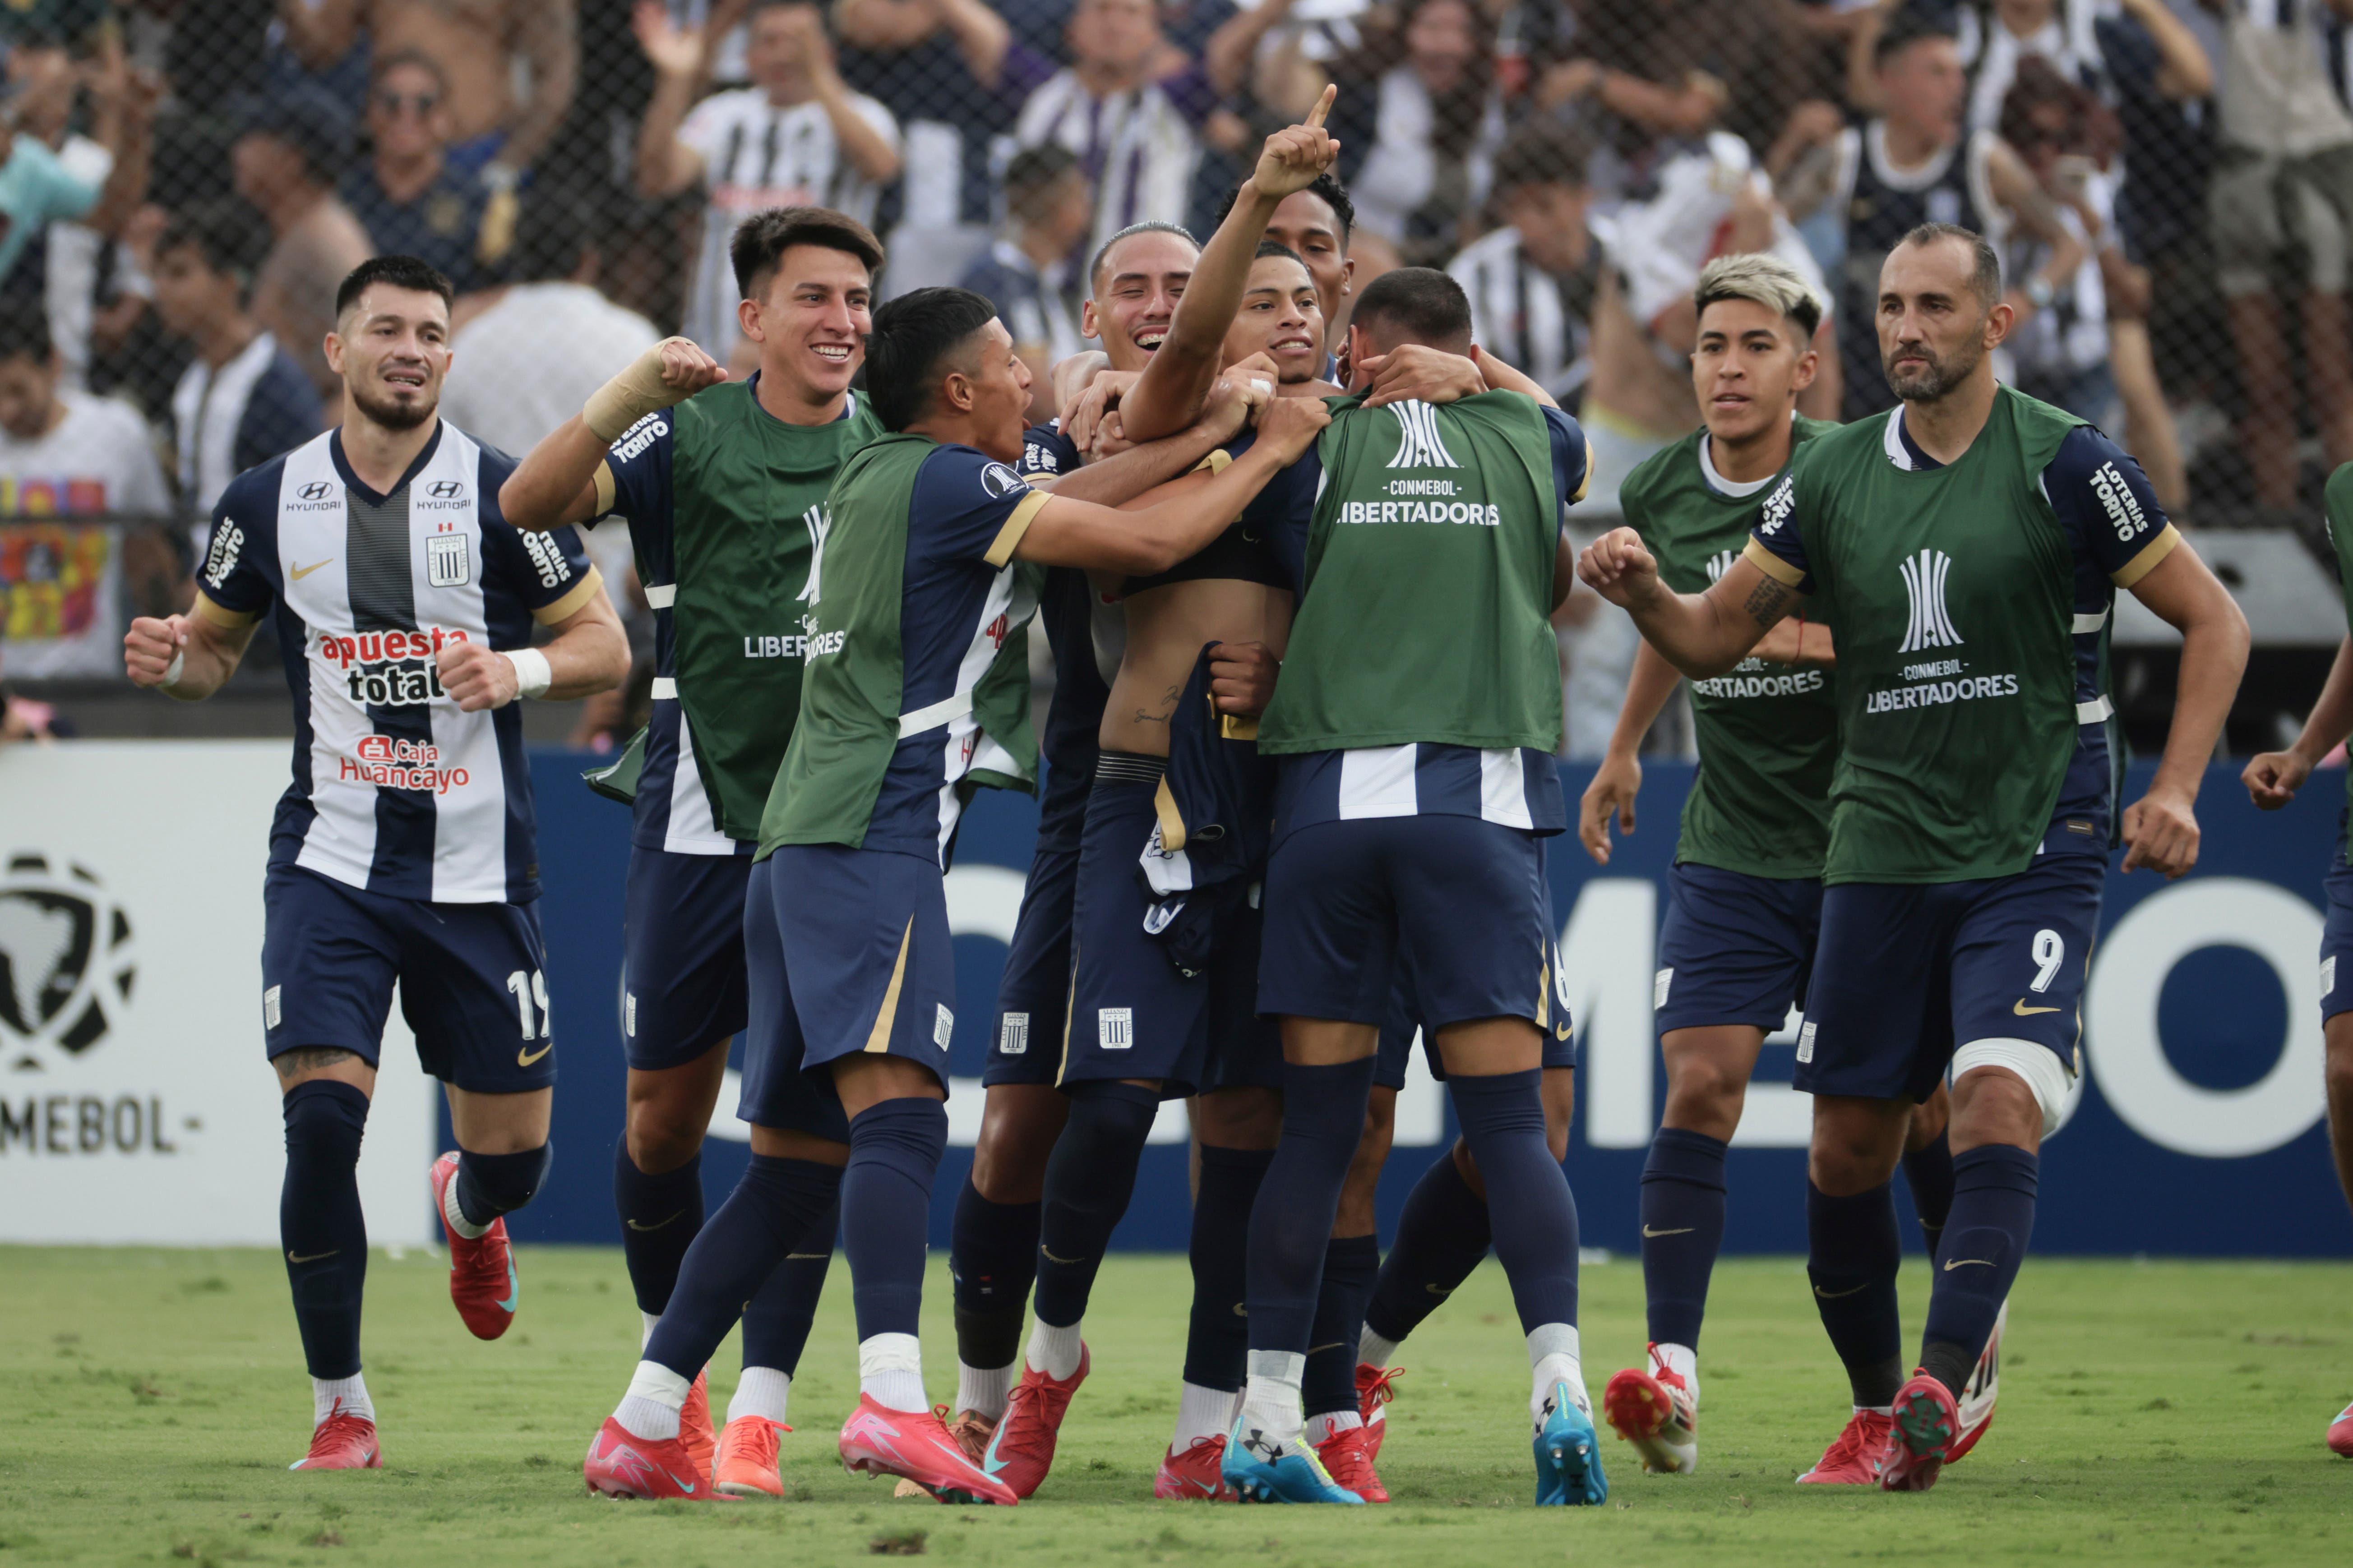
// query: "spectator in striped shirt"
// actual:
[[1533, 280], [1029, 273]]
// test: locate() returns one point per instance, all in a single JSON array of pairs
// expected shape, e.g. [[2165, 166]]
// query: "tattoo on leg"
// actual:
[[309, 1058], [1768, 602]]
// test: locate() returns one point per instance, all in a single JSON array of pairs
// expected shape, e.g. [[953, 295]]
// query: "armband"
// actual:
[[533, 676]]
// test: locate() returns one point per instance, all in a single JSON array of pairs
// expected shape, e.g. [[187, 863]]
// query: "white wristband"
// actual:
[[532, 672], [179, 667]]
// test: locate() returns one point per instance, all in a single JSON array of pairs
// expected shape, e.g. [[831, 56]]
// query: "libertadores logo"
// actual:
[[1923, 581], [1419, 444], [66, 960]]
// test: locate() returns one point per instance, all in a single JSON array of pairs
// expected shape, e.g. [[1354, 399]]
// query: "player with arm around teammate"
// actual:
[[2271, 781], [907, 704], [1964, 550], [723, 484], [403, 850]]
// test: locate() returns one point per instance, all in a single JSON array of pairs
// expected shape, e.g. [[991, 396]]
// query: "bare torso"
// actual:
[[469, 41], [1167, 627], [1633, 379]]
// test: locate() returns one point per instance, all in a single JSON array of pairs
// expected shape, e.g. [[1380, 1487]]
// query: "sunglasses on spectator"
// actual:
[[395, 103]]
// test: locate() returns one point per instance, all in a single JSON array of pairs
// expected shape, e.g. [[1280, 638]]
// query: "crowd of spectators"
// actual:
[[2171, 183]]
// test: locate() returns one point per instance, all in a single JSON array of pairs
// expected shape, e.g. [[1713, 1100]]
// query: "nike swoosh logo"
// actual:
[[1241, 1308], [1434, 1290], [1319, 1350], [1684, 1231], [1049, 1257], [2023, 1011], [799, 1257], [1563, 1031], [1834, 1295], [514, 1295], [658, 1224], [298, 573], [686, 1487], [314, 1258], [1964, 1262], [525, 1057]]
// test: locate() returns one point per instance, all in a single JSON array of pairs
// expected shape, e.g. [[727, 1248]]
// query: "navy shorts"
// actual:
[[2336, 934], [1024, 1044], [681, 955], [848, 953], [1735, 949], [1904, 974], [1133, 1013], [472, 978], [1453, 907], [1401, 1030]]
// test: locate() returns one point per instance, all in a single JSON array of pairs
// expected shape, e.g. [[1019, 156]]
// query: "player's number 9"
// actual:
[[2050, 952], [531, 990]]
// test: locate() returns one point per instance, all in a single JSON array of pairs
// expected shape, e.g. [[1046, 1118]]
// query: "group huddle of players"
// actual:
[[1299, 780]]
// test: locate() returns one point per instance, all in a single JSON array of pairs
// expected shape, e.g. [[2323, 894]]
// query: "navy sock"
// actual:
[[1440, 1237], [1928, 1172], [1528, 1201], [1993, 1214], [776, 1321], [320, 1225], [886, 1208], [1089, 1179], [1216, 1339], [1682, 1230], [1852, 1255], [992, 1258], [659, 1215], [770, 1213], [1323, 1118], [1350, 1266], [491, 1184]]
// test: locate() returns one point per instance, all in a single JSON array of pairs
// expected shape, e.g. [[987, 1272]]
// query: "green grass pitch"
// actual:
[[149, 1402]]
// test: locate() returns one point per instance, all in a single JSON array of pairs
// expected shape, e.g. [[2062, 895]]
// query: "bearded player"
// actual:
[[1965, 550], [402, 852], [724, 484]]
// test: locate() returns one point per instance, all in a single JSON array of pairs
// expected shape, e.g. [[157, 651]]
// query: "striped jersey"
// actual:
[[1138, 148], [393, 789], [1528, 317]]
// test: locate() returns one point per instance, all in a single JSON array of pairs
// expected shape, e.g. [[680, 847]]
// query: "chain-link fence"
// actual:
[[2170, 181]]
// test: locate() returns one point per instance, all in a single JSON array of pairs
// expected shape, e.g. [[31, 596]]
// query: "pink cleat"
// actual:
[[915, 1445]]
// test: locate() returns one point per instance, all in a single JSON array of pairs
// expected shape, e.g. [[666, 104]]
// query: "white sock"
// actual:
[[762, 1393], [1271, 1398], [1201, 1412], [1374, 1351], [982, 1390], [649, 1410], [1553, 1355], [1874, 1409], [651, 1320], [455, 1217], [1318, 1429], [890, 1372], [352, 1392], [1052, 1350], [1680, 1359]]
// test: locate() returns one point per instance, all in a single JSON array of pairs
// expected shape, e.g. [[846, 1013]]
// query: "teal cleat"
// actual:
[[1259, 1470], [1569, 1458]]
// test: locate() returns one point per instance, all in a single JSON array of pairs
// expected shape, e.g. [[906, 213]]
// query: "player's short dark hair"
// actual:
[[1267, 248], [1985, 271], [1415, 305], [761, 240], [1542, 153], [1326, 185], [400, 271], [1031, 177], [228, 235], [25, 329], [1149, 226], [1909, 25], [913, 334]]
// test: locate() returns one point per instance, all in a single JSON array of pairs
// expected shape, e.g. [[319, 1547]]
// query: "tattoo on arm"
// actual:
[[1768, 602]]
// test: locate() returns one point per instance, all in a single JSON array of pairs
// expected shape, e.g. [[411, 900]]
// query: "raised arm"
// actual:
[[1699, 634], [556, 482], [873, 154], [2016, 188], [1165, 400], [1115, 482], [665, 164], [589, 653], [547, 36], [2160, 828]]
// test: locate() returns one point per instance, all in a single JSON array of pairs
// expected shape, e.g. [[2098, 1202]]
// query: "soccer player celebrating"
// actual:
[[2271, 781], [909, 702], [1415, 780], [1964, 550], [723, 486], [402, 851]]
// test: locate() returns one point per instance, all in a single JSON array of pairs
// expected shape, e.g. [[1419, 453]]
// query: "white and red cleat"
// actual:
[[1853, 1460], [694, 1423], [747, 1466], [1658, 1413], [1021, 1451], [915, 1445], [621, 1465], [1197, 1475], [1978, 1396], [341, 1442], [1375, 1386], [2340, 1432], [1348, 1456], [1921, 1436], [481, 1268]]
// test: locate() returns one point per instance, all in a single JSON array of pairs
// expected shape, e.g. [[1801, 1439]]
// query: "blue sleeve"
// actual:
[[640, 464], [281, 414], [1283, 512], [968, 506], [2104, 501], [1045, 450], [547, 572], [240, 567], [1776, 531], [1568, 474]]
